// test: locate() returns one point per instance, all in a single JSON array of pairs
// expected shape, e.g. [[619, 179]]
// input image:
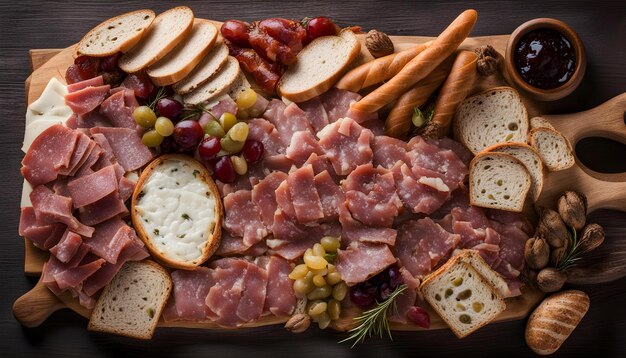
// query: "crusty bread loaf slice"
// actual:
[[218, 85], [539, 122], [320, 64], [132, 303], [490, 117], [462, 297], [183, 59], [240, 85], [553, 148], [208, 66], [118, 34], [529, 157], [177, 211], [166, 31], [473, 258], [498, 181]]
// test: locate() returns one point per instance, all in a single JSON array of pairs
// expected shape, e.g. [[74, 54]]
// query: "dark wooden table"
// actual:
[[55, 24]]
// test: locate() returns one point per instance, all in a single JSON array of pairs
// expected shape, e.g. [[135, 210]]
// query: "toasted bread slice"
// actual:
[[498, 181], [531, 159], [217, 86], [240, 85], [320, 64], [177, 211], [132, 303], [183, 59], [166, 31], [208, 67], [539, 122], [494, 116], [554, 149], [118, 34]]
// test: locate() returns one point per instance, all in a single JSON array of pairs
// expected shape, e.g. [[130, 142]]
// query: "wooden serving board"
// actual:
[[602, 190]]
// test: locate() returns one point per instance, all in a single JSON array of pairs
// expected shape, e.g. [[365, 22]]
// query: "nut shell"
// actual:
[[592, 236], [552, 228], [537, 253], [378, 43], [298, 323], [573, 209], [550, 279]]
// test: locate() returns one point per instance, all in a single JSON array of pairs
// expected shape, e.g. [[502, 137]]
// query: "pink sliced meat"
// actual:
[[253, 296], [109, 207], [293, 120], [67, 247], [346, 144], [126, 188], [422, 244], [91, 188], [419, 198], [126, 145], [109, 239], [302, 145], [306, 201], [388, 151], [119, 108], [243, 217], [459, 149], [190, 289], [92, 82], [407, 298], [226, 105], [375, 125], [361, 261], [78, 156], [280, 299], [510, 218], [291, 240], [87, 99], [72, 277], [443, 161], [315, 112], [49, 152], [320, 164], [107, 156], [94, 156], [489, 249], [278, 162], [458, 199], [284, 201], [337, 103], [512, 243], [264, 196], [355, 231], [225, 295], [45, 236], [331, 195], [52, 208], [261, 130], [234, 246], [92, 119]]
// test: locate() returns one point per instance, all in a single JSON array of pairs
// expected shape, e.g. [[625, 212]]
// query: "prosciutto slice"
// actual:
[[87, 99], [280, 300], [287, 119], [331, 195], [337, 103], [92, 82], [50, 152], [388, 151], [265, 132], [243, 217], [91, 188], [189, 291], [126, 146], [346, 145], [418, 196], [361, 261], [109, 239], [444, 162], [52, 208], [67, 247], [302, 145], [264, 196], [306, 201], [119, 108], [234, 246], [315, 112]]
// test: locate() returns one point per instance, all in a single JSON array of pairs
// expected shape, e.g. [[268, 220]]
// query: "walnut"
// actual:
[[573, 209], [552, 228], [488, 60], [378, 43], [591, 237], [550, 279], [537, 253], [298, 323]]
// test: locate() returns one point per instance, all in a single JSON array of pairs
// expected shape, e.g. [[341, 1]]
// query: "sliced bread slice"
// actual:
[[498, 181], [183, 59], [473, 258], [539, 122], [208, 66], [553, 148], [462, 297], [490, 117], [132, 303], [118, 34], [320, 64], [240, 85], [531, 159], [218, 85], [167, 30]]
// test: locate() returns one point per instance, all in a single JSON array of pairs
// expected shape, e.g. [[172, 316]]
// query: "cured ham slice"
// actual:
[[407, 298], [442, 161], [331, 195], [49, 152], [253, 296], [302, 145], [243, 217], [234, 246], [354, 231], [287, 119], [280, 300], [126, 146], [67, 247], [417, 196], [87, 99], [459, 149], [306, 201], [264, 196], [109, 207], [92, 82], [188, 299], [91, 188], [52, 208], [72, 277], [291, 239], [361, 261], [109, 239], [337, 103], [315, 112], [79, 156], [388, 151], [346, 145], [119, 108], [42, 236], [265, 132]]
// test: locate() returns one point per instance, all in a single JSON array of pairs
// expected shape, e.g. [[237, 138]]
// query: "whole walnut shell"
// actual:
[[556, 254], [298, 323], [552, 228], [537, 253], [550, 279], [591, 237], [573, 209], [378, 43]]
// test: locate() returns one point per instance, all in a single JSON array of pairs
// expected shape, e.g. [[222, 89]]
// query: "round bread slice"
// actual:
[[118, 34], [208, 66], [177, 211], [531, 159], [554, 149], [218, 85], [540, 122], [167, 30], [491, 117], [183, 59], [498, 181], [320, 64]]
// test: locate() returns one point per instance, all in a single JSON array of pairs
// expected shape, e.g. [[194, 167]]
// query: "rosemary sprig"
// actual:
[[374, 321], [160, 94], [196, 110], [573, 255]]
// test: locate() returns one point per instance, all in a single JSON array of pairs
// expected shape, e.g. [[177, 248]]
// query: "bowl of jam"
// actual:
[[546, 59]]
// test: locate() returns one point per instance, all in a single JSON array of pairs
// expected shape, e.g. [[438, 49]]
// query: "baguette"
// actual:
[[420, 66], [454, 90], [552, 322], [398, 123], [378, 70]]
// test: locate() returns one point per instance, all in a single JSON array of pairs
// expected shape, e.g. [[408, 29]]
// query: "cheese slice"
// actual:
[[52, 98], [26, 190]]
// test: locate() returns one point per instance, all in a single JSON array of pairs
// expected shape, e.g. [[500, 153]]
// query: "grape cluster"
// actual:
[[377, 288]]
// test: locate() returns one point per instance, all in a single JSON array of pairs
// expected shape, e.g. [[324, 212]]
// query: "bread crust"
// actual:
[[533, 143]]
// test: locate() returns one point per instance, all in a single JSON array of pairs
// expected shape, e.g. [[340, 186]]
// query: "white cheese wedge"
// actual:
[[26, 190], [50, 103]]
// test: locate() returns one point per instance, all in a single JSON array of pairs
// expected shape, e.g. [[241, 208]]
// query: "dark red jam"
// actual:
[[545, 58]]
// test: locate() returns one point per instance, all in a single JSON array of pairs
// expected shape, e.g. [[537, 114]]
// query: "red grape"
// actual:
[[169, 107], [362, 296], [87, 66], [320, 26], [236, 32], [188, 134], [393, 277], [109, 63], [209, 147], [419, 316], [224, 170], [252, 151], [169, 145]]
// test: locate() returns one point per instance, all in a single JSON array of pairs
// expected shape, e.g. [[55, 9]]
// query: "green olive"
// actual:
[[464, 295], [330, 244], [465, 319], [164, 126], [318, 250], [316, 308], [299, 271], [477, 306], [333, 278], [301, 287], [340, 291], [144, 116], [214, 129], [319, 281], [319, 293], [334, 309], [152, 139], [449, 292], [323, 320], [457, 281]]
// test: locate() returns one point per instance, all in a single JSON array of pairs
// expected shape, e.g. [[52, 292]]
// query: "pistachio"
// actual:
[[537, 253], [552, 228], [592, 236], [378, 43], [550, 279], [298, 323], [573, 209]]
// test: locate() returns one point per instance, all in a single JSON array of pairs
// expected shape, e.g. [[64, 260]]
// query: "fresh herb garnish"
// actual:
[[195, 111], [374, 321], [185, 216], [156, 231], [160, 94], [573, 254], [195, 172], [180, 236]]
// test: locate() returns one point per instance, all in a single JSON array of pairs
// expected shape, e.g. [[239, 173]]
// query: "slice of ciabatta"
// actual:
[[531, 159], [218, 85], [491, 117], [183, 59], [462, 297], [554, 149], [132, 303], [177, 211], [320, 64], [539, 122], [208, 66], [498, 181], [118, 34], [166, 31]]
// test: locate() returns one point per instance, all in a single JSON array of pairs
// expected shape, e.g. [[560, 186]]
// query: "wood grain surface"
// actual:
[[27, 25]]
